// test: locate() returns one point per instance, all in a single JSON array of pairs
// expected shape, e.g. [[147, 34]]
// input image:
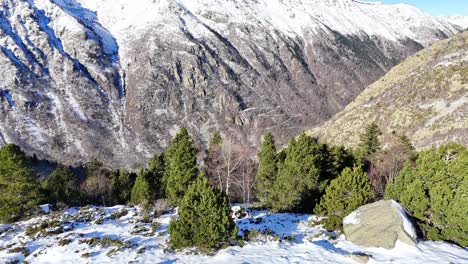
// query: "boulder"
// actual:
[[379, 224]]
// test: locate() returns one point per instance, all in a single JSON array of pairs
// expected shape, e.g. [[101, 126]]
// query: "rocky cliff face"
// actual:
[[114, 79], [425, 97]]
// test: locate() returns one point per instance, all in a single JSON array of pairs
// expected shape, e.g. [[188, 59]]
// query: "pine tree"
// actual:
[[267, 170], [19, 192], [339, 159], [204, 218], [61, 186], [434, 190], [180, 166], [141, 190], [370, 142], [344, 194], [154, 176], [122, 186], [301, 177]]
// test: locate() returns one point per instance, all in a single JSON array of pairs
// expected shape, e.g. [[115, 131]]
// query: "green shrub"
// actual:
[[61, 186], [344, 194], [302, 176], [22, 250], [122, 185], [267, 170], [140, 191], [154, 176], [204, 218], [19, 192], [180, 166], [435, 190]]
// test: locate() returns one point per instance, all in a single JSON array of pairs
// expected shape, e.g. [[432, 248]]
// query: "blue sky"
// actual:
[[436, 7]]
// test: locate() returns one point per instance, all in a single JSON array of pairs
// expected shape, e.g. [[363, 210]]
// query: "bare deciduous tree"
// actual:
[[230, 168]]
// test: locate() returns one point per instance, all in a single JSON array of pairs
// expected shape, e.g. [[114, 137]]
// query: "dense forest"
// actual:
[[306, 176]]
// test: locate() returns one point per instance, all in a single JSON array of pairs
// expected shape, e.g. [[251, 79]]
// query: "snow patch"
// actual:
[[45, 208]]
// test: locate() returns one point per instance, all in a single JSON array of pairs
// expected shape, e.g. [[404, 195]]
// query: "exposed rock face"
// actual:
[[115, 79], [379, 224], [425, 98]]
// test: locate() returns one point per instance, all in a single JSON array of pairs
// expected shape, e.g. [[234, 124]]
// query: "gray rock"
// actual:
[[379, 224]]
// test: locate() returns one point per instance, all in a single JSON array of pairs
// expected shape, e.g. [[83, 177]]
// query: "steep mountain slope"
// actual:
[[114, 79], [425, 97]]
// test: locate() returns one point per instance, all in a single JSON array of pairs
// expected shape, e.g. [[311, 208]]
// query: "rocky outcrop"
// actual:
[[114, 80], [379, 224]]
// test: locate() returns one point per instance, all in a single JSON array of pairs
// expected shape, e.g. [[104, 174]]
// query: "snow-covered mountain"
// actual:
[[114, 79], [461, 21]]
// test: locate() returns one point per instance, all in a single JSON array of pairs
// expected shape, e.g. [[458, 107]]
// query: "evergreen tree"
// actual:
[[180, 166], [154, 176], [267, 170], [61, 186], [204, 219], [434, 190], [141, 190], [122, 186], [19, 192], [301, 177], [370, 142], [344, 194], [339, 159]]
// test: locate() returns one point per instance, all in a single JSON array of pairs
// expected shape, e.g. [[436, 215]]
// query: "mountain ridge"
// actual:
[[114, 80], [425, 98]]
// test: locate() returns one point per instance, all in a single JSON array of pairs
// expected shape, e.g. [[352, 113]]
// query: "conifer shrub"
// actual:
[[122, 185], [435, 190], [345, 194], [141, 191], [62, 187], [302, 176], [370, 140], [19, 191], [204, 220], [180, 166], [154, 176], [267, 170]]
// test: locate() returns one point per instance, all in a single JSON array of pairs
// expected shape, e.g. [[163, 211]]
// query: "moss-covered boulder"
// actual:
[[379, 224]]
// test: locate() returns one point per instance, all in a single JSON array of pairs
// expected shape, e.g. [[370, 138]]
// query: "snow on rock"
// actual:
[[292, 17], [461, 21], [379, 224], [351, 219], [407, 225]]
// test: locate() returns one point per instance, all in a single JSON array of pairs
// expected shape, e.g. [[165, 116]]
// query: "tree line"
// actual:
[[307, 176]]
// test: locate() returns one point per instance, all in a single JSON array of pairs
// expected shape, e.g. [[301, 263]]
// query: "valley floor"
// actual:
[[120, 235]]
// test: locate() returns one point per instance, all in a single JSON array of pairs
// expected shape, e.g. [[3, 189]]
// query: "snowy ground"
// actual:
[[120, 235]]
